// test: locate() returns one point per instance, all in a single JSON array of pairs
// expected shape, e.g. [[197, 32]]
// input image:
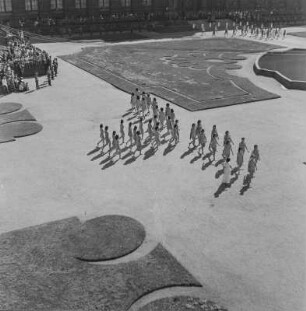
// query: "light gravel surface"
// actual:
[[248, 251]]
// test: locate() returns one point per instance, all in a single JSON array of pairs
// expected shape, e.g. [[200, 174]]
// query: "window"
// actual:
[[103, 4], [5, 5], [125, 3], [56, 4], [80, 4], [31, 5], [146, 2]]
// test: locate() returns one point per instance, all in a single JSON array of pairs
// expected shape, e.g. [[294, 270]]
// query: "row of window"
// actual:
[[32, 5]]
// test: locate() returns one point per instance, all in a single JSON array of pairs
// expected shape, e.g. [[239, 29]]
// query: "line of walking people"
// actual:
[[199, 140]]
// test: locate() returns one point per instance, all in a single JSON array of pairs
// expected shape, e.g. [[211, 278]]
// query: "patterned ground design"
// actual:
[[182, 303], [106, 238], [16, 123], [193, 74], [38, 271]]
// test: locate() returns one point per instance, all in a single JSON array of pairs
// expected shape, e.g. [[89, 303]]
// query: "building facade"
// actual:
[[16, 9]]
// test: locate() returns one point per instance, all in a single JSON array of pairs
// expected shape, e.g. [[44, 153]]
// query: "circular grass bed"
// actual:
[[106, 238], [9, 107], [181, 303]]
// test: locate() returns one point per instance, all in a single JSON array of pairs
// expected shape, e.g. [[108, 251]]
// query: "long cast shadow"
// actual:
[[105, 160], [127, 155], [165, 135], [132, 117], [234, 179], [127, 113], [196, 158], [223, 186], [235, 170], [149, 153], [29, 92], [220, 190], [93, 151], [219, 162], [169, 148], [109, 164], [189, 151], [124, 149], [246, 184], [219, 173], [131, 160], [207, 155], [206, 165], [98, 156]]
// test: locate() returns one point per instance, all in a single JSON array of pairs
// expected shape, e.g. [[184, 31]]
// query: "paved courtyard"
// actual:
[[247, 250]]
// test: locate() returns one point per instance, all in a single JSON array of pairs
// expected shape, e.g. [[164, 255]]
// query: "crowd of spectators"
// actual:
[[19, 59]]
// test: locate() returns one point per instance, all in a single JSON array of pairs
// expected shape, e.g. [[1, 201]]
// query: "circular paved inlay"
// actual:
[[106, 238], [9, 107]]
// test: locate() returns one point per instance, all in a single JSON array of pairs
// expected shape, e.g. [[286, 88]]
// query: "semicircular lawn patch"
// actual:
[[21, 115], [38, 272], [10, 131], [9, 107], [181, 303], [106, 238], [15, 122]]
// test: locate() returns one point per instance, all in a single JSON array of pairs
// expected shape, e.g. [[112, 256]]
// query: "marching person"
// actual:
[[240, 158], [130, 134], [227, 150], [226, 172], [255, 153], [192, 135], [243, 145], [213, 146], [202, 141], [102, 138], [227, 137]]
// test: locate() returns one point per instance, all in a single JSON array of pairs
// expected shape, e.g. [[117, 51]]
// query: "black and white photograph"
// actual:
[[152, 155]]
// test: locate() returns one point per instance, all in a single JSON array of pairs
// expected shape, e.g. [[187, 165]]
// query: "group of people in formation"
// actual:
[[163, 119], [199, 139], [158, 119], [246, 29]]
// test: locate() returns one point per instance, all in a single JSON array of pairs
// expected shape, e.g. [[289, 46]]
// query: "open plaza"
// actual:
[[84, 230]]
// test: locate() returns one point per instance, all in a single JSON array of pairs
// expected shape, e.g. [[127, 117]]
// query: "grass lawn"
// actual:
[[301, 34], [193, 74], [182, 303], [106, 238], [39, 271]]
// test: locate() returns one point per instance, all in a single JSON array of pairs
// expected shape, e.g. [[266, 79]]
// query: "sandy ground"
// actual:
[[248, 251]]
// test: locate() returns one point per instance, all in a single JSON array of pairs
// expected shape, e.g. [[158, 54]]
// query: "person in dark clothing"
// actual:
[[55, 66], [36, 80], [49, 75]]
